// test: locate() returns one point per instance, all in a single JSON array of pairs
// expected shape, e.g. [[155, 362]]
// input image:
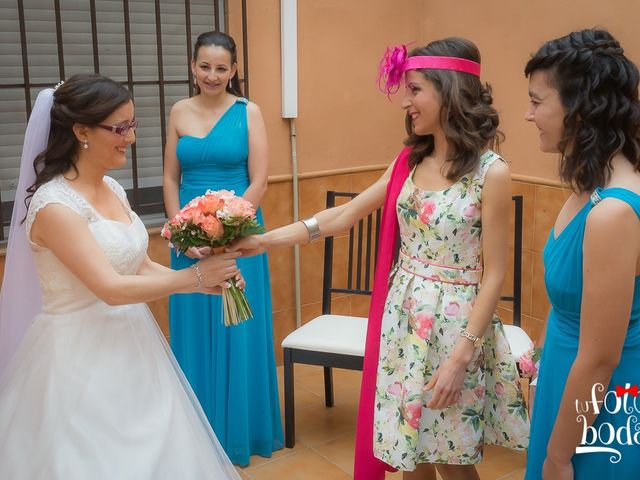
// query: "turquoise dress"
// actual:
[[614, 460], [231, 369]]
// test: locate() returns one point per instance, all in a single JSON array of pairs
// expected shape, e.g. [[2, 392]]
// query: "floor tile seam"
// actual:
[[331, 461], [311, 447], [280, 457], [352, 433], [300, 385]]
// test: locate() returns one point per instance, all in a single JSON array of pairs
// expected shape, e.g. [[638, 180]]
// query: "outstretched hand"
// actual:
[[247, 246]]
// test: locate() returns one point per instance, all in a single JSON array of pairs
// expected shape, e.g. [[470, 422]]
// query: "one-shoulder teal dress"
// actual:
[[231, 369], [613, 453]]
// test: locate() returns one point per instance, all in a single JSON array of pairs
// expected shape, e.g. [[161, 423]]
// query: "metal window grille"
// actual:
[[144, 44]]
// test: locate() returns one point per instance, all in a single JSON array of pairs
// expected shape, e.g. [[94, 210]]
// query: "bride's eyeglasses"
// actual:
[[121, 129]]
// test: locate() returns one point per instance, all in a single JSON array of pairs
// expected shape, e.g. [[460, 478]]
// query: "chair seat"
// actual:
[[341, 334], [518, 339]]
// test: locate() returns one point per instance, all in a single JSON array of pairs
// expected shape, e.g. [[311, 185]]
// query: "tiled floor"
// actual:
[[325, 436]]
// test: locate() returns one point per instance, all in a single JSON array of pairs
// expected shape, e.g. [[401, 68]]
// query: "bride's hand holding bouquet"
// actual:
[[215, 273]]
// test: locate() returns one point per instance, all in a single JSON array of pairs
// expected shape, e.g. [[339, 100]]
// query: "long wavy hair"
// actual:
[[225, 41], [85, 99], [468, 119], [598, 86]]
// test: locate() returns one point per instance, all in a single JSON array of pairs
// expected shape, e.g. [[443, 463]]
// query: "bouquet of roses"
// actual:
[[214, 220]]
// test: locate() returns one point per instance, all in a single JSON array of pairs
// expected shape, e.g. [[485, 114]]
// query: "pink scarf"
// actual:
[[367, 467]]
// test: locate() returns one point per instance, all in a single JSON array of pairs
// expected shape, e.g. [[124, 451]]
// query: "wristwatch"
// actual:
[[471, 337]]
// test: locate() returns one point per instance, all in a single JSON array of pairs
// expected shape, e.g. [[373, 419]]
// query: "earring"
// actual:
[[195, 82], [230, 85], [85, 144]]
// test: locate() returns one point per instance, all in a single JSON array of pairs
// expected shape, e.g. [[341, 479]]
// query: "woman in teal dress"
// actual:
[[584, 101], [217, 140]]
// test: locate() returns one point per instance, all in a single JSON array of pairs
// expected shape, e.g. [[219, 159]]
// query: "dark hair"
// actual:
[[468, 120], [598, 86], [223, 40], [86, 99]]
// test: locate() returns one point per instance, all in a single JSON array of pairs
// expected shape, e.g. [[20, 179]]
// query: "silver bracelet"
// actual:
[[312, 228], [198, 273]]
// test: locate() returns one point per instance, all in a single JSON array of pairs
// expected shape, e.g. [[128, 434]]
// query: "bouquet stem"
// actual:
[[235, 306]]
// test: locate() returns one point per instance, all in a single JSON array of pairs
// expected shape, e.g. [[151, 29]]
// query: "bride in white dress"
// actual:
[[93, 391]]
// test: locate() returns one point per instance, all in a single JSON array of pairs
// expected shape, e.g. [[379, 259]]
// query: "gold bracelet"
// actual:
[[198, 273], [471, 337]]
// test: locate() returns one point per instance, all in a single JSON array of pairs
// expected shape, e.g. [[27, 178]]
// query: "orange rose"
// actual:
[[210, 204], [198, 217], [212, 226]]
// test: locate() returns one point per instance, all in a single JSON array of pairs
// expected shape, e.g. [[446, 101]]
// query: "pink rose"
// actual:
[[395, 389], [239, 207], [225, 194], [424, 324], [479, 391], [470, 211], [186, 214], [166, 233], [452, 309], [193, 203], [409, 303], [499, 389], [412, 412], [527, 365], [427, 210], [212, 226]]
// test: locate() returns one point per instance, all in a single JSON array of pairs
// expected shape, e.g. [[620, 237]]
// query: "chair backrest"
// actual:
[[362, 252], [516, 296]]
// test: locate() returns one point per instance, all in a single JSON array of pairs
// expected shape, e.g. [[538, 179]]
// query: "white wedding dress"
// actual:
[[94, 391]]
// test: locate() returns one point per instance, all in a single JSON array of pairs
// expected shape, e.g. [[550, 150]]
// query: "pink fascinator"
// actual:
[[395, 62], [391, 69]]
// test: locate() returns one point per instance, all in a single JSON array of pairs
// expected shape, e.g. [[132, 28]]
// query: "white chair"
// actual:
[[519, 341]]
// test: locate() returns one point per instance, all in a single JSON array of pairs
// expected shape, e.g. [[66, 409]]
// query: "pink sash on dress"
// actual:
[[367, 467]]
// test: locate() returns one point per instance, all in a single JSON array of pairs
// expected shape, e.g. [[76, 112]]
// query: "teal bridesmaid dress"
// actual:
[[601, 456], [231, 369]]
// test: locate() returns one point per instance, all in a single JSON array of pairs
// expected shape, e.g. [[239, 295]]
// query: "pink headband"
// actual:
[[395, 62]]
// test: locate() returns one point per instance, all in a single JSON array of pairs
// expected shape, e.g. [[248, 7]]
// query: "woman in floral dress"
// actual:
[[438, 381]]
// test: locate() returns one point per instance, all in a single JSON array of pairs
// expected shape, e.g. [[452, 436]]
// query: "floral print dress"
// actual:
[[433, 287]]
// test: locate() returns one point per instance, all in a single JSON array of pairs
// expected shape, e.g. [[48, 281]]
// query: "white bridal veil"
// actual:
[[20, 296]]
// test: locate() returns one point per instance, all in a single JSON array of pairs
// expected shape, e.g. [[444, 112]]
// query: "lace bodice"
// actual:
[[124, 245]]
